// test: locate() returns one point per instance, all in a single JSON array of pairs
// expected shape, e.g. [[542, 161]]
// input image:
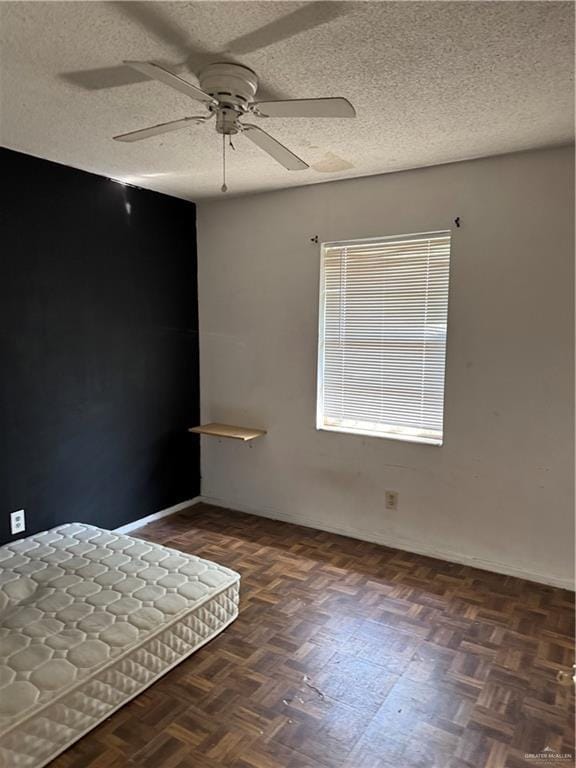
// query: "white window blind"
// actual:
[[382, 340]]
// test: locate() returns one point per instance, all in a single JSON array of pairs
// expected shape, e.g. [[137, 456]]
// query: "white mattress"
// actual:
[[88, 619]]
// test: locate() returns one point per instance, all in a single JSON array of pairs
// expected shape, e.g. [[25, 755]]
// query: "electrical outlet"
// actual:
[[17, 522], [391, 499]]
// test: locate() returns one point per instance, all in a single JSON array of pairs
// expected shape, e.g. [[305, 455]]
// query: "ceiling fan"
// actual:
[[227, 91]]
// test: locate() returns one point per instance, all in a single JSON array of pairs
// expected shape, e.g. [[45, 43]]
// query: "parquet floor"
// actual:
[[351, 655]]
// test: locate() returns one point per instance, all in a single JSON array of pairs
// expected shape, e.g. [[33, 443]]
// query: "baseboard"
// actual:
[[158, 515], [396, 543]]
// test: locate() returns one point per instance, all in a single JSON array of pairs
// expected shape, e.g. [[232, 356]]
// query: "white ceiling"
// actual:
[[432, 82]]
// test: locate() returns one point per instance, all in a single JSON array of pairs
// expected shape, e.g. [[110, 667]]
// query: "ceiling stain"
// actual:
[[332, 163]]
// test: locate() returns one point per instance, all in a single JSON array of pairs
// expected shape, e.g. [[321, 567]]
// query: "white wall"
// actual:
[[499, 493]]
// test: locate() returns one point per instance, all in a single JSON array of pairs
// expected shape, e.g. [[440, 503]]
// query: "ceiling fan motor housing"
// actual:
[[233, 85]]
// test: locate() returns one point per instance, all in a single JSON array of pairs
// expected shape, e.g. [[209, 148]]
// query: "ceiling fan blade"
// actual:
[[155, 22], [278, 151], [103, 77], [336, 107], [156, 130], [294, 23], [156, 72]]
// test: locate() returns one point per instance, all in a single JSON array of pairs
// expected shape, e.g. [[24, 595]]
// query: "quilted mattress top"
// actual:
[[77, 597]]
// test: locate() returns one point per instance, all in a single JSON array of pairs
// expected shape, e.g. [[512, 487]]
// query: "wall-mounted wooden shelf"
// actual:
[[227, 430]]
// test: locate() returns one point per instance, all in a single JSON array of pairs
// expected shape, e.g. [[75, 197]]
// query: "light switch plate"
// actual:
[[391, 499]]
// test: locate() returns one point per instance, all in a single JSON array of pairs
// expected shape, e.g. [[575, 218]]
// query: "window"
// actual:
[[382, 340]]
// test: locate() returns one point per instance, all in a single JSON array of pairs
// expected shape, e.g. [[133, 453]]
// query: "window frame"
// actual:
[[404, 435]]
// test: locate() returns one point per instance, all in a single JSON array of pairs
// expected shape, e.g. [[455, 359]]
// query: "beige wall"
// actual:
[[499, 492]]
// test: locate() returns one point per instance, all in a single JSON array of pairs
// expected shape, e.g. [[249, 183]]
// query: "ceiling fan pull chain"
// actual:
[[224, 188]]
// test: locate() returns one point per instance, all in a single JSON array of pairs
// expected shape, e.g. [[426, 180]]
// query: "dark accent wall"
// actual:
[[98, 348]]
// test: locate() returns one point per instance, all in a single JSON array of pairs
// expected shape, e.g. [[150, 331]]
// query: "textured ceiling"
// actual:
[[432, 82]]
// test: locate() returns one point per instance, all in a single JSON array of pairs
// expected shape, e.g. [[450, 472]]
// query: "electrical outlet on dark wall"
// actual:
[[98, 348]]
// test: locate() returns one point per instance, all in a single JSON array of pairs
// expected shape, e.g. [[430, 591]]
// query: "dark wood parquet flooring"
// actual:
[[351, 655]]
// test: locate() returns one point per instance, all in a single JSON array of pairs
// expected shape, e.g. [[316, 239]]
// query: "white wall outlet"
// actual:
[[17, 522], [391, 499]]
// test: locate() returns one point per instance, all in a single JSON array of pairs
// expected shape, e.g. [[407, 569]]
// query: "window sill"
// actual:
[[383, 435]]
